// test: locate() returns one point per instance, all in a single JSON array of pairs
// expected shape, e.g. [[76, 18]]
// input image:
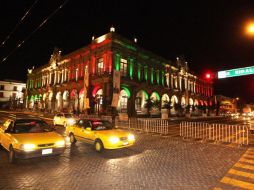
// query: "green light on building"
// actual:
[[152, 75], [131, 63], [139, 71], [126, 89], [146, 72], [117, 59], [158, 76]]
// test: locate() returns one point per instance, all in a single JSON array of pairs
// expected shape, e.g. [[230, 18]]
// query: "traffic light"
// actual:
[[208, 76]]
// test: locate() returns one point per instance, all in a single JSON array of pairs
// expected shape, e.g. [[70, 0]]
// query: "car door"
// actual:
[[6, 135], [88, 132], [78, 130]]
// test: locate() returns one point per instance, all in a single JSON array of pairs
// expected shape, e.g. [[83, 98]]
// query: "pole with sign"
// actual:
[[236, 72]]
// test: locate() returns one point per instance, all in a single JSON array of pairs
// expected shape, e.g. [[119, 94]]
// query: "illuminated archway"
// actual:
[[191, 101], [126, 89], [195, 102], [174, 100], [74, 100], [140, 101], [95, 90], [81, 99], [155, 97], [164, 100], [66, 99], [59, 101], [183, 101], [122, 102], [98, 100], [50, 99], [44, 100]]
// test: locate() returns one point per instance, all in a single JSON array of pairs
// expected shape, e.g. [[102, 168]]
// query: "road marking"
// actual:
[[245, 166], [240, 173], [246, 160], [237, 183], [246, 163]]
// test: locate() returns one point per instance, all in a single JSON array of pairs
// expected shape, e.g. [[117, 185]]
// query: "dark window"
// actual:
[[84, 123], [101, 125], [15, 88], [1, 94], [1, 87], [31, 126]]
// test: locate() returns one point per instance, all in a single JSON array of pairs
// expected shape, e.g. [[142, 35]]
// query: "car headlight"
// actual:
[[28, 147], [71, 121], [131, 137], [60, 143], [114, 140]]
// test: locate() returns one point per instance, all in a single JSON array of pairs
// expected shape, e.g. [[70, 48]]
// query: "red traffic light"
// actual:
[[208, 76]]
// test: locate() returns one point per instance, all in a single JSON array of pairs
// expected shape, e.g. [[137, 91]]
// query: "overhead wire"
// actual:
[[19, 23], [29, 36]]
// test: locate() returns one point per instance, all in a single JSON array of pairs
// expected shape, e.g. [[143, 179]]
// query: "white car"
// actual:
[[64, 119]]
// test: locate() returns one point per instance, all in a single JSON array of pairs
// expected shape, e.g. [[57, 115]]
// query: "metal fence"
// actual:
[[238, 134], [160, 126]]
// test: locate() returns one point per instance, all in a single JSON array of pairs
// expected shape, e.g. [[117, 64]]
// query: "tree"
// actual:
[[150, 103]]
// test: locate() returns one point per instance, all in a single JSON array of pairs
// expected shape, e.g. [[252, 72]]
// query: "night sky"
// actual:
[[208, 33]]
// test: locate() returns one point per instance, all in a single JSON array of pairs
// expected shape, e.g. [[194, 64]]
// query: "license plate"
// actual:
[[125, 143], [47, 151]]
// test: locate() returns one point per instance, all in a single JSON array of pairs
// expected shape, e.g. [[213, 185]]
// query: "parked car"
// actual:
[[27, 138], [64, 119], [102, 134]]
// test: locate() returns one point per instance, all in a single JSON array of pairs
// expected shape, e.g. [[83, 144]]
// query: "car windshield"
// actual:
[[67, 115], [31, 126], [101, 125]]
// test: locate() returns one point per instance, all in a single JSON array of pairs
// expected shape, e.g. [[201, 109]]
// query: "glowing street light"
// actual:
[[250, 29]]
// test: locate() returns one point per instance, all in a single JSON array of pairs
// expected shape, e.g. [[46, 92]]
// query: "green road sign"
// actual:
[[236, 72]]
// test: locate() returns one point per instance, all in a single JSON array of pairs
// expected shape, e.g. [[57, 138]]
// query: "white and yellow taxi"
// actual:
[[64, 119], [100, 133], [26, 138]]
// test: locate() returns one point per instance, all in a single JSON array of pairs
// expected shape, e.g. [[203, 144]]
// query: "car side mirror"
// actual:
[[89, 128]]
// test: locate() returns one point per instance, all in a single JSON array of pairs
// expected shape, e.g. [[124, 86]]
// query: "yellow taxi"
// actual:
[[100, 133], [26, 138], [64, 119]]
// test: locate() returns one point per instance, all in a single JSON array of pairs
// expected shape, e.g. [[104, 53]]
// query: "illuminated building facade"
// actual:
[[11, 91], [113, 71]]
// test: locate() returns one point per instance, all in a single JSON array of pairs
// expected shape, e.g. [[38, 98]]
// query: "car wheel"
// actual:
[[98, 145], [12, 155], [72, 139]]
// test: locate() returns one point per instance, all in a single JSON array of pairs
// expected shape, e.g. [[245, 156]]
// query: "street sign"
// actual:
[[236, 72]]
